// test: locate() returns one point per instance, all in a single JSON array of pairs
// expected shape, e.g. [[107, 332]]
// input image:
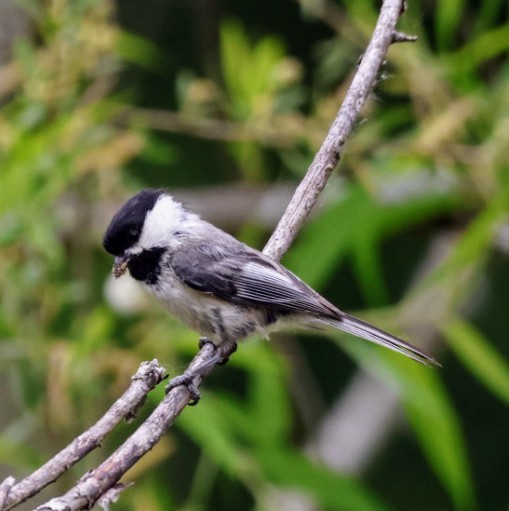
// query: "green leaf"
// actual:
[[475, 351], [355, 225], [368, 268], [270, 416], [447, 20], [482, 48], [140, 51], [254, 418], [470, 251], [431, 415], [487, 15], [333, 491], [248, 68], [212, 430], [437, 426]]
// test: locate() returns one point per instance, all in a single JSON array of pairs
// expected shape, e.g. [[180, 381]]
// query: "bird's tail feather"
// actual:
[[359, 328]]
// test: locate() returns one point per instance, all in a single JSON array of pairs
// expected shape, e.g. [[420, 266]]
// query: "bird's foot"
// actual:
[[223, 351], [226, 351], [186, 380], [202, 341], [220, 356]]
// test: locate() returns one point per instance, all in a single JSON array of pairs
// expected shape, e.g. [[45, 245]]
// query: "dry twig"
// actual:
[[146, 378]]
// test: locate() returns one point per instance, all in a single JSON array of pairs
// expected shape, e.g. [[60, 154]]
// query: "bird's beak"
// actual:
[[120, 265]]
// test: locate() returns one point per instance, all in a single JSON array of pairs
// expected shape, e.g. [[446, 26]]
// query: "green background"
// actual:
[[225, 103]]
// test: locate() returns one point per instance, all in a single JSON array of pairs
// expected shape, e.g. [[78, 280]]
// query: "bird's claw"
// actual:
[[230, 349], [186, 380], [225, 349], [222, 355], [202, 341]]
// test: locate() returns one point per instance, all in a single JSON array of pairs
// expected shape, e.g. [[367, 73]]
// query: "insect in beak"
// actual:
[[120, 265]]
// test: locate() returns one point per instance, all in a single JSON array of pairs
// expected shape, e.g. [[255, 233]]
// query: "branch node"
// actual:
[[150, 371], [112, 495], [401, 37]]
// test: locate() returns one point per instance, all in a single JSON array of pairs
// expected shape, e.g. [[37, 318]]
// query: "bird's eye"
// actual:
[[133, 233]]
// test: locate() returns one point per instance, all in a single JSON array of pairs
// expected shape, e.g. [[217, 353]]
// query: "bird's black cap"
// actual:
[[126, 226]]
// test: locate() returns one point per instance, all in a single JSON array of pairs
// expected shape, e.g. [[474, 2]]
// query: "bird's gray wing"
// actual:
[[238, 274], [245, 276]]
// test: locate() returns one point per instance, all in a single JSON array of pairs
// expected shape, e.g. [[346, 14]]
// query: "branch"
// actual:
[[96, 483], [146, 378], [101, 483], [330, 152]]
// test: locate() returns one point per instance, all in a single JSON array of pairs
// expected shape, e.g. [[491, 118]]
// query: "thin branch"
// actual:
[[96, 483], [401, 37], [146, 378], [328, 155]]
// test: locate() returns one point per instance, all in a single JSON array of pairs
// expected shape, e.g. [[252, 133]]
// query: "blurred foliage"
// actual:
[[101, 100]]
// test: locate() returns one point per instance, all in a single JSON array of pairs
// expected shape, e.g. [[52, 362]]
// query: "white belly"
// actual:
[[211, 317]]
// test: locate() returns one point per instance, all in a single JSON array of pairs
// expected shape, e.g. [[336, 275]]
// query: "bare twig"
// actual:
[[328, 155], [401, 37], [146, 378], [96, 483]]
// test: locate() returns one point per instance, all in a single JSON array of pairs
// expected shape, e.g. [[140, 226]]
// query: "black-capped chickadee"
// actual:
[[217, 285]]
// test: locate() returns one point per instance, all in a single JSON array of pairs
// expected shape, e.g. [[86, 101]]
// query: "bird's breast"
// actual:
[[210, 316]]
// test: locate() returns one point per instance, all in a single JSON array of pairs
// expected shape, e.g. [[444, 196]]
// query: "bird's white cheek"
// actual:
[[160, 223]]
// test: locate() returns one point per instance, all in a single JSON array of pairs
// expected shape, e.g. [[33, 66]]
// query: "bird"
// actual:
[[218, 286]]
